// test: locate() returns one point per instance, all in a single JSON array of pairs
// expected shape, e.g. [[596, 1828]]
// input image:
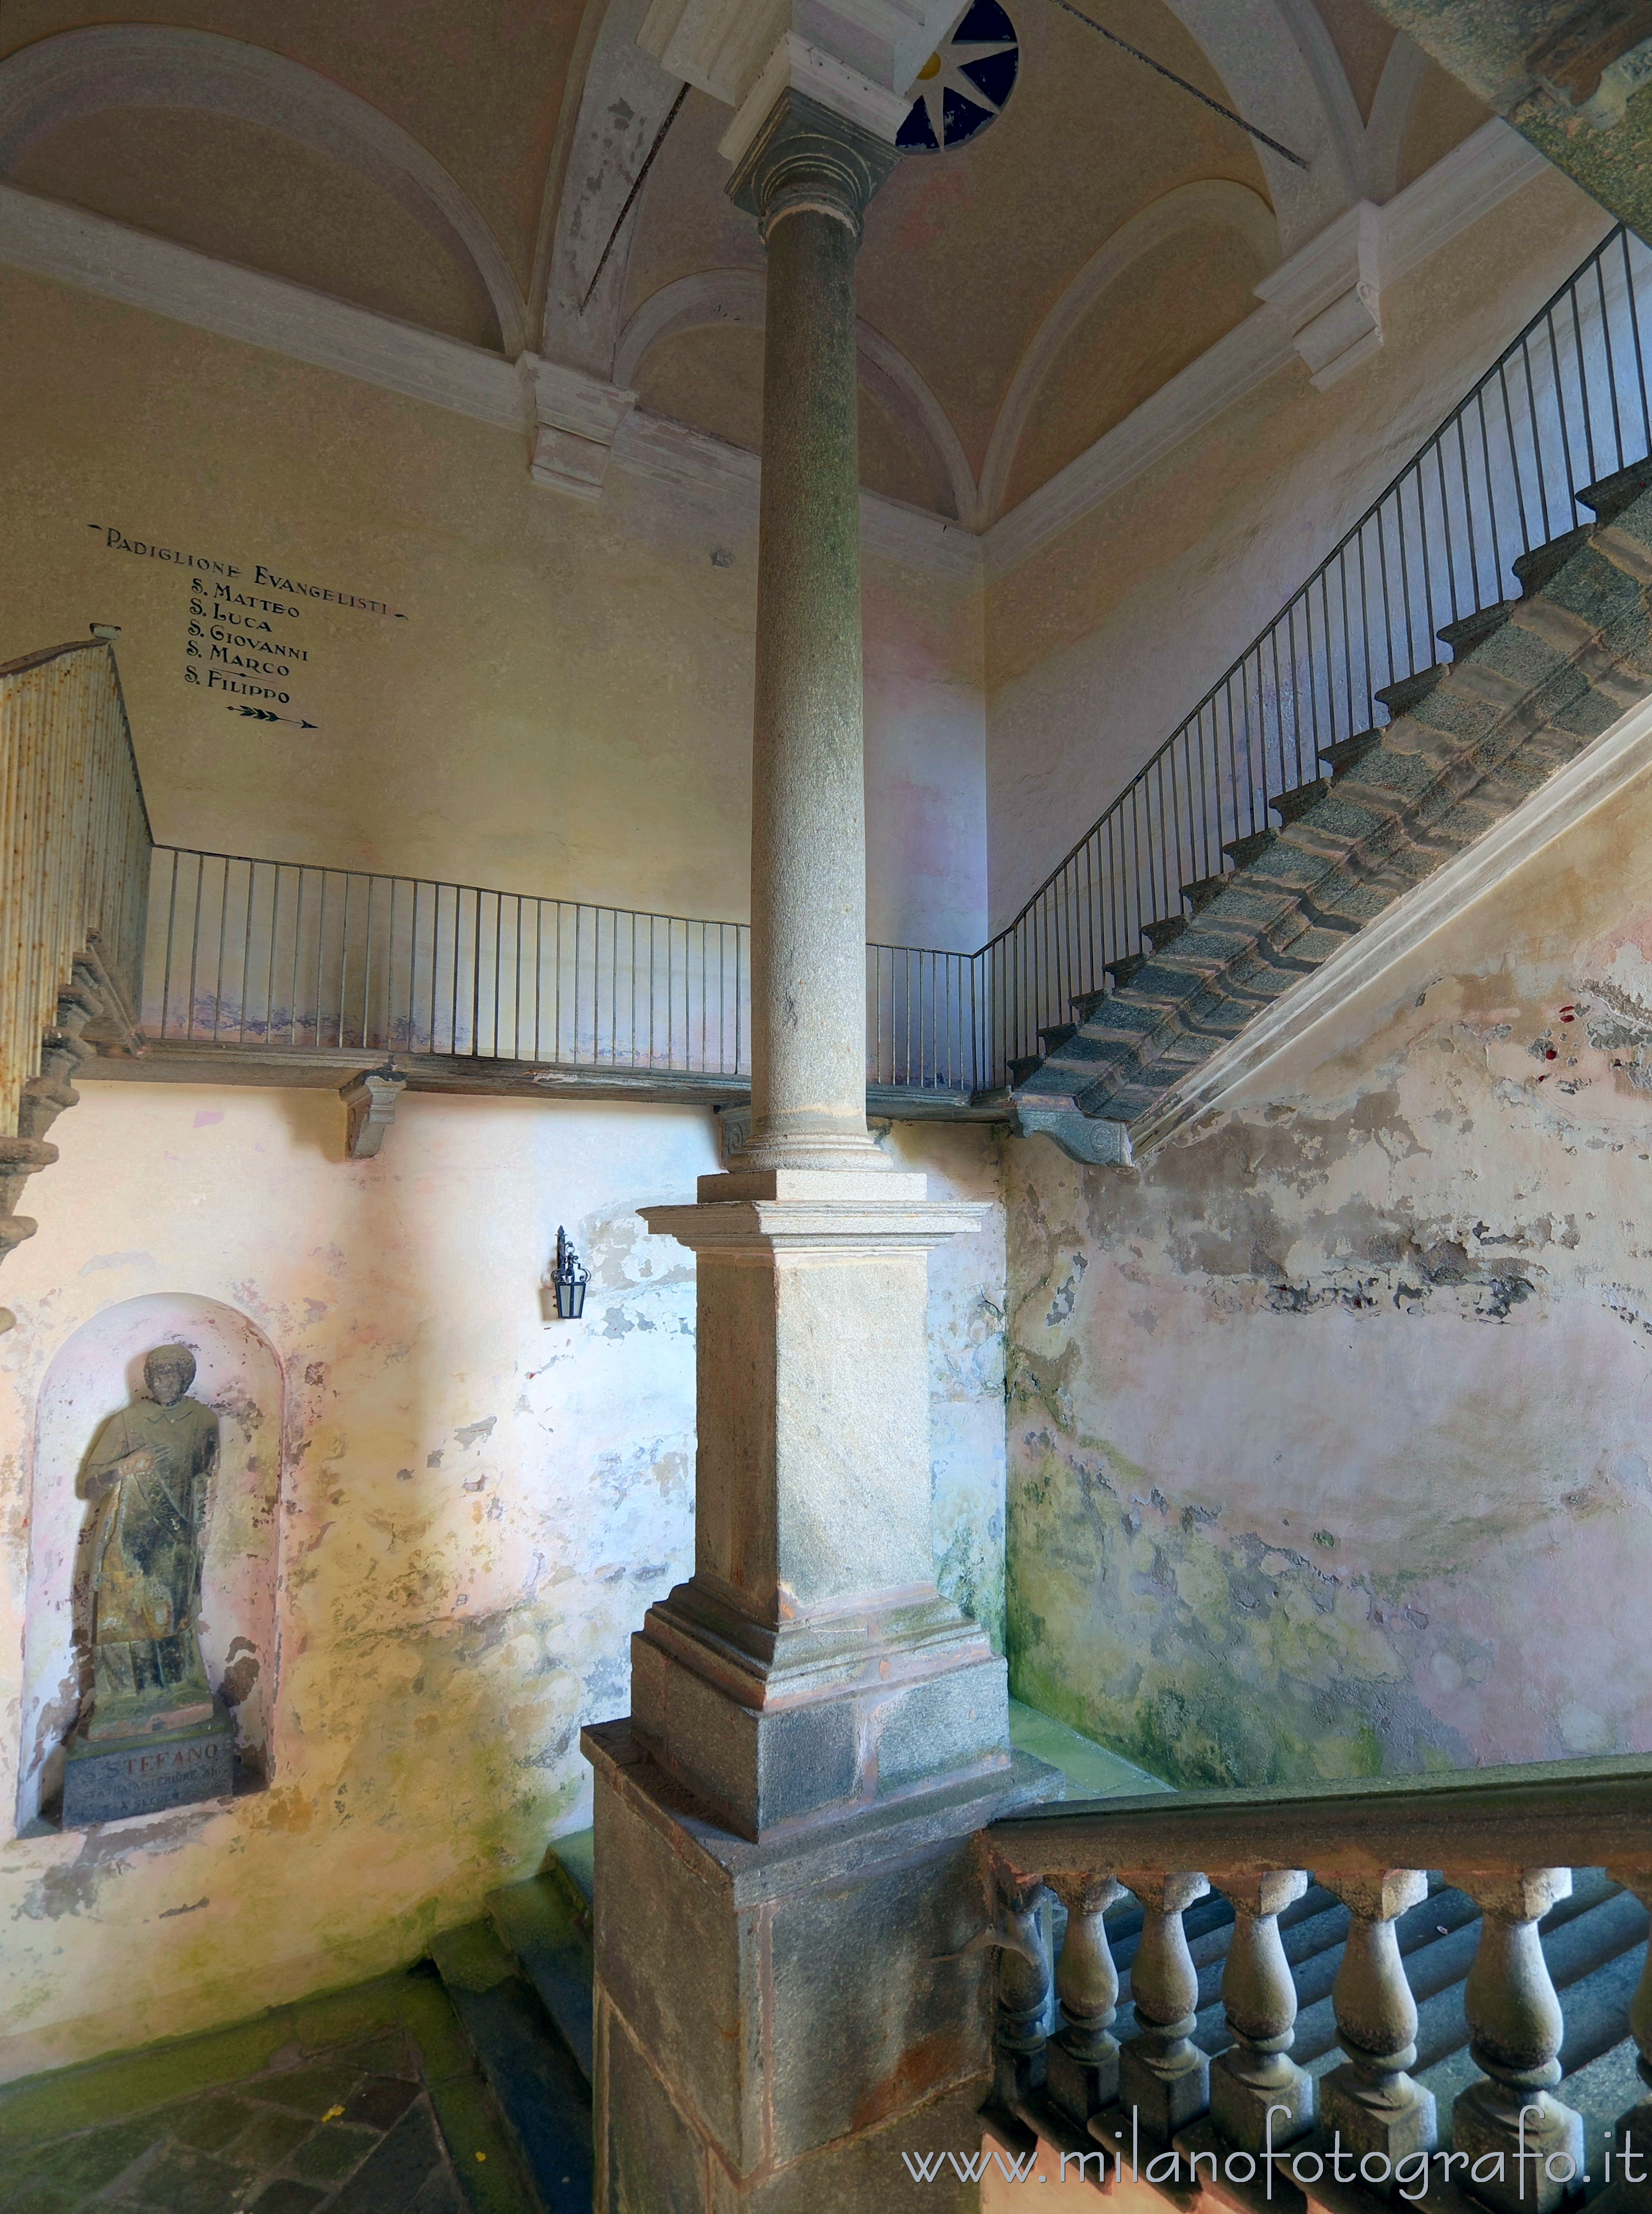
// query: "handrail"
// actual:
[[1594, 1810]]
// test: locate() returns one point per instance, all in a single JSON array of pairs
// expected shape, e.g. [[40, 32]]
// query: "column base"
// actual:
[[777, 2022], [837, 1716]]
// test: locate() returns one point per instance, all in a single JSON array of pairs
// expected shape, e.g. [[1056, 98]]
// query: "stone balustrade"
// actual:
[[1236, 2114]]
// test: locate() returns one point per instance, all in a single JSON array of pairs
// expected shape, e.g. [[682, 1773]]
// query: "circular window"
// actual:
[[963, 83]]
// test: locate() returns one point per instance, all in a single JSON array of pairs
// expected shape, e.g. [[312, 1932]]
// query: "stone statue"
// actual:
[[148, 1476]]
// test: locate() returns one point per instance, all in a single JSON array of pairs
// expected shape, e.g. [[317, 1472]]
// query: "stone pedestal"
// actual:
[[811, 1667], [104, 1779], [778, 2023]]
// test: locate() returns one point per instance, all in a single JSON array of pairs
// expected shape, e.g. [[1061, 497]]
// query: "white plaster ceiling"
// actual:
[[460, 170]]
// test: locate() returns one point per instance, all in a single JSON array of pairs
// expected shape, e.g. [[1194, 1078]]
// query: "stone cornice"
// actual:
[[99, 255]]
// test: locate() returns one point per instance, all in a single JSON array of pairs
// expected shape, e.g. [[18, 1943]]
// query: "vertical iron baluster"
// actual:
[[1582, 384], [1634, 332], [1612, 365], [223, 925], [172, 918]]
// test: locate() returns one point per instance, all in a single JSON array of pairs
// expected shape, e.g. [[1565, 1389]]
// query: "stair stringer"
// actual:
[[1533, 683], [90, 1000]]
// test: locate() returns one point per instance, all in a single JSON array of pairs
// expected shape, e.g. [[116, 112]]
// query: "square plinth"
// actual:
[[104, 1782]]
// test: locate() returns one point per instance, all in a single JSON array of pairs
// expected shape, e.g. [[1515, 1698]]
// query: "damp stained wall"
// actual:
[[475, 1508], [1329, 1430]]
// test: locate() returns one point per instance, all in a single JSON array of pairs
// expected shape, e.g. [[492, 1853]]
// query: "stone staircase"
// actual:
[[520, 1982], [1529, 684]]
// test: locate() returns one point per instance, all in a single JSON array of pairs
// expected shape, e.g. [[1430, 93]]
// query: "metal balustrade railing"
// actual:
[[280, 955], [274, 954], [1563, 406]]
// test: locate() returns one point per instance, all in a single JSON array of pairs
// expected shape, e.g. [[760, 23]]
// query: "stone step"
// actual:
[[1348, 752], [532, 2075], [1407, 692], [1055, 1034], [1291, 806], [538, 1922], [1199, 893]]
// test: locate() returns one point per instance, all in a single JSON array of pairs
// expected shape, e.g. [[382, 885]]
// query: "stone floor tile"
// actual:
[[92, 2160], [380, 2101], [311, 2090], [269, 2136], [37, 2194], [441, 2195], [283, 2196], [207, 2125], [398, 2169], [385, 2055], [185, 2182], [331, 2152]]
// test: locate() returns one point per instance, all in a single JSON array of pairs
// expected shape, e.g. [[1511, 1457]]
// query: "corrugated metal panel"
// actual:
[[74, 845]]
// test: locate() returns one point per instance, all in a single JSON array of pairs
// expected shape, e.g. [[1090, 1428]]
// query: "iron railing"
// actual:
[[277, 954], [74, 849], [265, 953], [1565, 405]]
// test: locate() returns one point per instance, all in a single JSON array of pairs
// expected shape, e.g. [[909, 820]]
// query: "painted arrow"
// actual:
[[265, 715]]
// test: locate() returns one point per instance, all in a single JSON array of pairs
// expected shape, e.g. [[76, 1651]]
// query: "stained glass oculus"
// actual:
[[963, 83]]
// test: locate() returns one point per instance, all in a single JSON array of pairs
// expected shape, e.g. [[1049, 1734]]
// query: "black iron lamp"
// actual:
[[570, 1278]]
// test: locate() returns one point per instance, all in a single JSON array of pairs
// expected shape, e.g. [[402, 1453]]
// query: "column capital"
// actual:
[[805, 156]]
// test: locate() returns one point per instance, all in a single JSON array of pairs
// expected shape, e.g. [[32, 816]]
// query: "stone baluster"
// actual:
[[1370, 2103], [1022, 1937], [1083, 2058], [1161, 2072], [1258, 2095], [1632, 2149], [1515, 2031]]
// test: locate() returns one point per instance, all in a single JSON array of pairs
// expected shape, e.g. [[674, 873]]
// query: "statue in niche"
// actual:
[[147, 1476]]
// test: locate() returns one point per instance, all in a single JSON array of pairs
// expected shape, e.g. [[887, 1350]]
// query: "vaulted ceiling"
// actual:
[[459, 169]]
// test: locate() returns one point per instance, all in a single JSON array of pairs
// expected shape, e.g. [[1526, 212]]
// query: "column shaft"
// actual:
[[808, 833]]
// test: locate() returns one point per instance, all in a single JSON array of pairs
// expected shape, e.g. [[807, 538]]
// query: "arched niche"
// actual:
[[99, 1370]]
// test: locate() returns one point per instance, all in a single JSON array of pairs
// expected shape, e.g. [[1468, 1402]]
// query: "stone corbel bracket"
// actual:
[[370, 1103], [1329, 294], [576, 418]]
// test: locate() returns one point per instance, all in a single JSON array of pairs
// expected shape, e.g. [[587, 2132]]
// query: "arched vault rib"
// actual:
[[1281, 72], [1214, 200], [735, 295], [85, 72]]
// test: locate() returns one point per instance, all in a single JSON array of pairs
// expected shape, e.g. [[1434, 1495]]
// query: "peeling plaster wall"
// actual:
[[1327, 1431], [475, 1508]]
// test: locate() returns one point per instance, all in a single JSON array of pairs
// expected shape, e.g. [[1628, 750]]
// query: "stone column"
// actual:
[[807, 177], [811, 1665], [788, 1993]]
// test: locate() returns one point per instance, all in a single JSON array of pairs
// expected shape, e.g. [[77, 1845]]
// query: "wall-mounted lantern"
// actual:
[[570, 1280]]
